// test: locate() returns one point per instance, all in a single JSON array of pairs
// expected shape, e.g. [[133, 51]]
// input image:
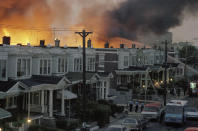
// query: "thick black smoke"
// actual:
[[136, 17]]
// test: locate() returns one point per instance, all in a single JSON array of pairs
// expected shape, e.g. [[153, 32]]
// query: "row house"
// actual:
[[37, 79]]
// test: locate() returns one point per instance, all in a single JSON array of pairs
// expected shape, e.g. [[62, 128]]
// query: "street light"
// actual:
[[28, 121]]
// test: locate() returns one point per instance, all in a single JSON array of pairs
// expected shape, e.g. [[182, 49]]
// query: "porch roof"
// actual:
[[4, 114], [38, 80], [77, 76], [68, 95], [6, 85]]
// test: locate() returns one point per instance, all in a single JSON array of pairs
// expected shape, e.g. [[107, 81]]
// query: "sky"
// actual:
[[187, 31]]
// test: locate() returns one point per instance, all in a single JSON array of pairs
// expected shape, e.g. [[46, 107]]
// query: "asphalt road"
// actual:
[[156, 126]]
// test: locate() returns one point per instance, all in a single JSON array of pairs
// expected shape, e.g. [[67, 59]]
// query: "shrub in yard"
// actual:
[[40, 128], [72, 125], [102, 114], [62, 124]]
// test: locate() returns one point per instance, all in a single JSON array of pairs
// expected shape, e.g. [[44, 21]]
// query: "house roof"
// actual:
[[6, 85], [103, 74], [38, 80], [4, 114], [77, 76], [134, 68]]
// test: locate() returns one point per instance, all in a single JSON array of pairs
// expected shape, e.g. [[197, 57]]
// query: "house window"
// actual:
[[101, 60], [91, 64], [105, 83], [78, 64], [2, 69], [45, 66], [23, 67], [104, 93], [126, 60], [62, 65], [12, 102]]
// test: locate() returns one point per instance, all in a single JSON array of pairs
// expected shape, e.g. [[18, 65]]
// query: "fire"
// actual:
[[5, 31], [20, 36]]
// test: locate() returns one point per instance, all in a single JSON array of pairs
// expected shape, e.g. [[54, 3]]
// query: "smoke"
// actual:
[[110, 19], [139, 17]]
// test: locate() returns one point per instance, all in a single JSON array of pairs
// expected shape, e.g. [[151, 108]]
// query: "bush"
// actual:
[[40, 128], [102, 114], [62, 124], [160, 91], [67, 125], [72, 125]]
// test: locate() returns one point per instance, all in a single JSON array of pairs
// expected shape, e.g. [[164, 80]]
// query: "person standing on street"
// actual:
[[136, 106], [131, 106], [142, 106], [175, 93]]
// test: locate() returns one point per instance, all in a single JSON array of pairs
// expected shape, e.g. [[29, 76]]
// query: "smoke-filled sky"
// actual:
[[108, 19]]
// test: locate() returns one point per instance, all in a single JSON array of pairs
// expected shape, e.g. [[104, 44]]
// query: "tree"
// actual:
[[188, 51]]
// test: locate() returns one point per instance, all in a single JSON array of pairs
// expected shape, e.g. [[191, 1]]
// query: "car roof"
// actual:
[[154, 104], [178, 102], [116, 126], [191, 129]]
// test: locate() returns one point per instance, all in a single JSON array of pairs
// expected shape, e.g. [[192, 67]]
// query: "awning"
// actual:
[[68, 95], [4, 114]]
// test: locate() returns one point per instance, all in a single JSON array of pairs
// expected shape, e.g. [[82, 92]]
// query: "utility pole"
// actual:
[[84, 34], [165, 73]]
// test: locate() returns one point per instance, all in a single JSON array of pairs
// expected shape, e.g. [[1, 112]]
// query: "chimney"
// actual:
[[133, 46], [122, 46], [42, 43], [57, 42], [106, 45], [89, 43], [6, 40]]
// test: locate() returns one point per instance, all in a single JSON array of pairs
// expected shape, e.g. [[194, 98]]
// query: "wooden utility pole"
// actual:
[[84, 34], [165, 73]]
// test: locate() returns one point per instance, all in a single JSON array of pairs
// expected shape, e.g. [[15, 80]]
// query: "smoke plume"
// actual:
[[139, 17], [108, 19]]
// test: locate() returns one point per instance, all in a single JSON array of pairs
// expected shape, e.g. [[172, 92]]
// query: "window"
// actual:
[[23, 67], [105, 83], [2, 69], [78, 64], [91, 64], [101, 60], [12, 102], [126, 60], [133, 60], [104, 93], [45, 66], [62, 65]]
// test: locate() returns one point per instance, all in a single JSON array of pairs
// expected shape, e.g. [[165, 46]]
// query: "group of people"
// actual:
[[136, 105]]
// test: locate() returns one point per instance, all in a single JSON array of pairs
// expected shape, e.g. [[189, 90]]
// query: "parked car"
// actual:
[[191, 129], [135, 122], [191, 112], [153, 111], [116, 128]]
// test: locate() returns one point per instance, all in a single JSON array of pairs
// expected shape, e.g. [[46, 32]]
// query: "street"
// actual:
[[156, 126]]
